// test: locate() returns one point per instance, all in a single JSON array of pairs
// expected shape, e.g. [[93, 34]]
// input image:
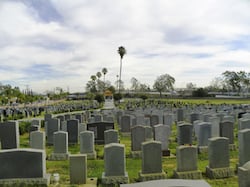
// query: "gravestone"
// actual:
[[168, 119], [67, 117], [180, 114], [139, 134], [114, 165], [227, 130], [151, 162], [204, 135], [36, 122], [162, 134], [194, 117], [73, 130], [52, 125], [244, 123], [111, 136], [87, 145], [80, 118], [98, 129], [78, 169], [243, 175], [154, 120], [23, 167], [9, 135], [60, 146], [185, 131], [186, 157], [37, 140], [98, 118], [218, 155], [140, 119], [126, 123], [215, 121], [244, 148]]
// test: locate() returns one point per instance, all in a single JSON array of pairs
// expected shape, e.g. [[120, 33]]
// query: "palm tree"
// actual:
[[122, 51], [98, 74], [104, 71]]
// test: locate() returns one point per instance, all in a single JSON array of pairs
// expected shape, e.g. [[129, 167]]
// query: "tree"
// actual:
[[135, 84], [104, 72], [98, 74], [164, 83], [121, 51]]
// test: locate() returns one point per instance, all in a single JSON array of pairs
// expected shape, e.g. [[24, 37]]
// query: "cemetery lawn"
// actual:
[[133, 166]]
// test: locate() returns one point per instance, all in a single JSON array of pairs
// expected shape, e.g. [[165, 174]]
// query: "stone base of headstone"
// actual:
[[91, 156], [187, 175], [91, 182], [114, 180], [166, 152], [219, 173], [26, 181], [202, 149], [232, 147], [136, 154], [59, 156], [152, 176]]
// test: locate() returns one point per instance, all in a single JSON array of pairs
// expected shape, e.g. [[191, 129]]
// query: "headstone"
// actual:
[[98, 129], [168, 119], [215, 121], [227, 130], [126, 122], [186, 157], [151, 162], [114, 165], [9, 135], [194, 117], [111, 136], [73, 130], [244, 148], [60, 146], [218, 155], [162, 134], [185, 131], [37, 140], [98, 118], [79, 117], [180, 114], [26, 167], [78, 169], [87, 145], [140, 119], [36, 122], [243, 175], [139, 134], [52, 125], [204, 135], [154, 120], [244, 123]]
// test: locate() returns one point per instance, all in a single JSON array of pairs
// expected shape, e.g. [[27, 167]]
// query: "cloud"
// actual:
[[45, 44]]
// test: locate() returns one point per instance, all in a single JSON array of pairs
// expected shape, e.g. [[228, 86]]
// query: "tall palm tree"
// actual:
[[122, 51], [104, 71]]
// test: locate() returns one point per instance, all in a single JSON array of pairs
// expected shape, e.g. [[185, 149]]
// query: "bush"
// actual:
[[99, 98], [117, 96], [24, 127]]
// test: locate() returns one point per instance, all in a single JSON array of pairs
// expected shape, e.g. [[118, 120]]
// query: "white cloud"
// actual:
[[194, 41]]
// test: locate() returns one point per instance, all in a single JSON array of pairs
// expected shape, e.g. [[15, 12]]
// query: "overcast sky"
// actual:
[[49, 43]]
